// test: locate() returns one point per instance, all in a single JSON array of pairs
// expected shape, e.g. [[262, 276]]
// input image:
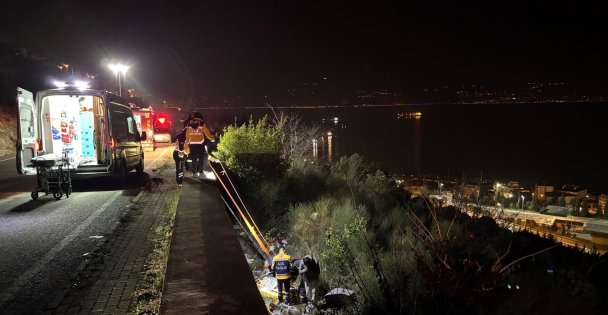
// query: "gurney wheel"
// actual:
[[57, 195], [34, 195]]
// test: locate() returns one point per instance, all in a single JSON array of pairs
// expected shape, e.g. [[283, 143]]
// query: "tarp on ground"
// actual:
[[339, 298]]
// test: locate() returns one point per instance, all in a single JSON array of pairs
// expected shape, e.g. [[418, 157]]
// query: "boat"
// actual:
[[409, 115]]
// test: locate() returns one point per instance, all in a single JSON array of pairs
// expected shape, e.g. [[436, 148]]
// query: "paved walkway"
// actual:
[[107, 284], [207, 272]]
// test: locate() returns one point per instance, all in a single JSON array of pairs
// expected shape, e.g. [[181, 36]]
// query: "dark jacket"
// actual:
[[179, 140]]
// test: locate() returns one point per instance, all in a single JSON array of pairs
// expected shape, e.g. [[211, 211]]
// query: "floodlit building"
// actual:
[[540, 191], [602, 200]]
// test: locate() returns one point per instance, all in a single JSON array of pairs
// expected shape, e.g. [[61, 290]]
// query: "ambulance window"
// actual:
[[131, 125], [27, 122], [120, 127], [133, 134]]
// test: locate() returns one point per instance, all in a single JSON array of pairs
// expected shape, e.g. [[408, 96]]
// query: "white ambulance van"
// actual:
[[94, 130]]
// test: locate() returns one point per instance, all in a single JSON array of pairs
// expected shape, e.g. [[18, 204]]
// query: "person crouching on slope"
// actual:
[[196, 133]]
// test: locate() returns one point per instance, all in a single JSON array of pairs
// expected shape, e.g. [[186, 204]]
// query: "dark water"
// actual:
[[545, 143]]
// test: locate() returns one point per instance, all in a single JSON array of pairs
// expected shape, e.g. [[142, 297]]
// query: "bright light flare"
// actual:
[[209, 175], [81, 85], [118, 68], [60, 84]]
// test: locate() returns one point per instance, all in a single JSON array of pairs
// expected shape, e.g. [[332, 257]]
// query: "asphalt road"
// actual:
[[12, 183], [43, 242]]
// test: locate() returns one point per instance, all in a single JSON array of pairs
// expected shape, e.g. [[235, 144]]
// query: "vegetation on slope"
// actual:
[[401, 254]]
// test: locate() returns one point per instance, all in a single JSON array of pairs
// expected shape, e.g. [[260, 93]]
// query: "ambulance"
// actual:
[[94, 130]]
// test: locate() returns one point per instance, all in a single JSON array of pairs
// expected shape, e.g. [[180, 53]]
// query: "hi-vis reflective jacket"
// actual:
[[197, 136], [281, 264]]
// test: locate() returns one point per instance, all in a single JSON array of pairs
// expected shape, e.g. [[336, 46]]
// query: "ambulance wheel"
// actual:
[[119, 176], [140, 167], [34, 195], [123, 172], [57, 195]]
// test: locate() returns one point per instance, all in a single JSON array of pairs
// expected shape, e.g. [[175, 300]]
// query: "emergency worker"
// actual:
[[188, 120], [179, 156], [196, 134], [310, 271], [281, 265]]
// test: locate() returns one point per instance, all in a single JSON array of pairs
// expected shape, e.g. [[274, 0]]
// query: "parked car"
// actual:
[[162, 135]]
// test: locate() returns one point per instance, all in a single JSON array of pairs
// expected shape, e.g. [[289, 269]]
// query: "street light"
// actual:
[[497, 191], [523, 198], [440, 186], [119, 69]]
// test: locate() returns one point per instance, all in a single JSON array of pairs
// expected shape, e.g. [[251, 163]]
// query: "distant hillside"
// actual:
[[8, 132]]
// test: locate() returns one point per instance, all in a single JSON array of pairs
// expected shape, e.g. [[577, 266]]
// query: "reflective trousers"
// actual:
[[179, 167]]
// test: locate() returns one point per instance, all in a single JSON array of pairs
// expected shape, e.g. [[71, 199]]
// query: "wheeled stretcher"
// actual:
[[52, 176]]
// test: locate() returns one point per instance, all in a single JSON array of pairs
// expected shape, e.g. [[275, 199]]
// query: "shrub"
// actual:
[[251, 149]]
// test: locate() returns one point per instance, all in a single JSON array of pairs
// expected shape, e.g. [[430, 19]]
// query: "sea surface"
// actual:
[[563, 143]]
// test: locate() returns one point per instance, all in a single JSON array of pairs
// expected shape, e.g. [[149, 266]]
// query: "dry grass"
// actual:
[[8, 132]]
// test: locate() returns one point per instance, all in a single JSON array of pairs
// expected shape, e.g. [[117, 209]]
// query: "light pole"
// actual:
[[523, 198], [119, 69], [496, 192]]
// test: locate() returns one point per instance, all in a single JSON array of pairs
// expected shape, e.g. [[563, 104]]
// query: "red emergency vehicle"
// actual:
[[163, 130], [144, 118]]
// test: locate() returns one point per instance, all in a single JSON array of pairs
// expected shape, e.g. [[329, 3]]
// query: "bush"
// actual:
[[252, 149]]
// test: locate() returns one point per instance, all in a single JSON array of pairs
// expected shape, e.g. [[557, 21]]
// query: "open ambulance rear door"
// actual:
[[27, 135]]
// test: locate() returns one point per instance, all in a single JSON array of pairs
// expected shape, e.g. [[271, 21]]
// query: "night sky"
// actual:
[[178, 49]]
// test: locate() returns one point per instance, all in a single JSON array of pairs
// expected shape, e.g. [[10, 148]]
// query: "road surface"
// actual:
[[43, 242]]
